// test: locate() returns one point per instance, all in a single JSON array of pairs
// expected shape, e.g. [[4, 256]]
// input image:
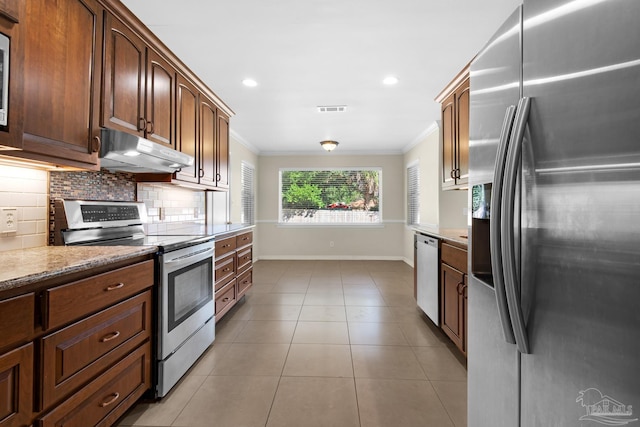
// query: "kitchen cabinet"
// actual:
[[214, 145], [12, 12], [62, 69], [187, 138], [138, 95], [76, 350], [455, 132], [16, 359], [202, 132], [453, 294], [233, 270]]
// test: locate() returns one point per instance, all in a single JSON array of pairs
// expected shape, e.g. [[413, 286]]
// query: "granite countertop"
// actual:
[[22, 267], [451, 234]]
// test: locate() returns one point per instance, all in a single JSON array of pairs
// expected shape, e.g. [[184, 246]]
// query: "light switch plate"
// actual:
[[8, 220]]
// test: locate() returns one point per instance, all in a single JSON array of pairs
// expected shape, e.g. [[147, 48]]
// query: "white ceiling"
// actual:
[[306, 53]]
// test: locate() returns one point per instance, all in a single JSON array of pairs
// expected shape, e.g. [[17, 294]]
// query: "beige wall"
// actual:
[[27, 190], [313, 242], [444, 209]]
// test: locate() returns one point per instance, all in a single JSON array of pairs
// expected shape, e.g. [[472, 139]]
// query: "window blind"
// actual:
[[247, 195], [413, 195]]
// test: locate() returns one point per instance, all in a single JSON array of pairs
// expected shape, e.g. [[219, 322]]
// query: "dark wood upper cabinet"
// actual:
[[139, 86], [187, 138], [208, 136], [62, 63], [161, 100], [454, 101], [124, 78], [222, 157]]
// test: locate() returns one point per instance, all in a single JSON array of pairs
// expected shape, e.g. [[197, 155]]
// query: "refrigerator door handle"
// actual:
[[512, 282], [494, 226]]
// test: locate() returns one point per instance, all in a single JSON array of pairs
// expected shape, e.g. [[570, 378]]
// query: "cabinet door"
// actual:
[[222, 158], [16, 385], [208, 123], [124, 78], [448, 141], [187, 128], [452, 282], [462, 133], [160, 111], [62, 66], [12, 13]]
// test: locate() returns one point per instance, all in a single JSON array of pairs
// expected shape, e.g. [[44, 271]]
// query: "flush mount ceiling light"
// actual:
[[250, 83], [329, 145], [390, 80]]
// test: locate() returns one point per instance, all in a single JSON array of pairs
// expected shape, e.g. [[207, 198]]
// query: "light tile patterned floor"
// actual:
[[320, 343]]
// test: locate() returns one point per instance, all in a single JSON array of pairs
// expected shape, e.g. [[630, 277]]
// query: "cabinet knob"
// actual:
[[95, 144]]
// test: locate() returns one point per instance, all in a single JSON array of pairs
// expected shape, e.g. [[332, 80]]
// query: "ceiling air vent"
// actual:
[[332, 108]]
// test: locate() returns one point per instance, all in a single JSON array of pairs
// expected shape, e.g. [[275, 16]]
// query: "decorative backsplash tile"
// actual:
[[86, 185], [26, 190]]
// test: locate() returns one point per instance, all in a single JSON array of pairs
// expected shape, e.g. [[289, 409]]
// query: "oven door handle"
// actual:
[[188, 259]]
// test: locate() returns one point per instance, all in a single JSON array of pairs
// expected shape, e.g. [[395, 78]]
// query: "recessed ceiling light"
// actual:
[[250, 83], [391, 80]]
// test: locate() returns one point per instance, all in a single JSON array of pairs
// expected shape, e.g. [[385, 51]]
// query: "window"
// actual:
[[413, 195], [247, 194], [330, 196]]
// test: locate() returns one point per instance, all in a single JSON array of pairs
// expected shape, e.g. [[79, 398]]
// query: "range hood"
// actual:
[[123, 152]]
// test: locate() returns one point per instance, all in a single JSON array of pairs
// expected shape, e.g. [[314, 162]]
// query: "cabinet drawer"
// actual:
[[244, 239], [77, 299], [75, 354], [225, 246], [455, 257], [16, 385], [225, 268], [244, 282], [244, 259], [16, 319], [226, 297], [106, 398]]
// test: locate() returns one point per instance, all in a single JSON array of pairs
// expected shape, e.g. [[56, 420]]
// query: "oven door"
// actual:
[[186, 295]]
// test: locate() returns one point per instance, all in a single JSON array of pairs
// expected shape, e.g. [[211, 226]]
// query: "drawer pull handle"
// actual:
[[110, 336], [226, 269], [115, 397], [225, 299], [114, 287]]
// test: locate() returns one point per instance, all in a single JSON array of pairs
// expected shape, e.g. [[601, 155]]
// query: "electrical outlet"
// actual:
[[8, 220], [161, 214]]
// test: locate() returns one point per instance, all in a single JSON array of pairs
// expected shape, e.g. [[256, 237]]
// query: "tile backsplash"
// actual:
[[169, 205], [88, 185], [27, 191]]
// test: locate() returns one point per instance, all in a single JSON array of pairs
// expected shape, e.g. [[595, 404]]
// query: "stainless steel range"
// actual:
[[184, 277]]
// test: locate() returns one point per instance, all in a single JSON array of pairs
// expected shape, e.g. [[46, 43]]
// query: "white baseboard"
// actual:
[[332, 258]]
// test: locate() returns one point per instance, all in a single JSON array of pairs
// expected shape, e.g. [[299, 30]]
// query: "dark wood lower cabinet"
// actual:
[[233, 270], [79, 364], [453, 294], [16, 385]]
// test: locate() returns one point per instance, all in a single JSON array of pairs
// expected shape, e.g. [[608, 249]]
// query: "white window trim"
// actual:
[[379, 224], [243, 165]]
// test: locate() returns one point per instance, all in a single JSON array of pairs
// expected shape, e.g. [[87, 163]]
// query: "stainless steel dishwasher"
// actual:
[[427, 268]]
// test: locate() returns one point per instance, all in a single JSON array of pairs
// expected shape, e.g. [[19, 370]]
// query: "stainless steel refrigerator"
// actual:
[[554, 260]]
